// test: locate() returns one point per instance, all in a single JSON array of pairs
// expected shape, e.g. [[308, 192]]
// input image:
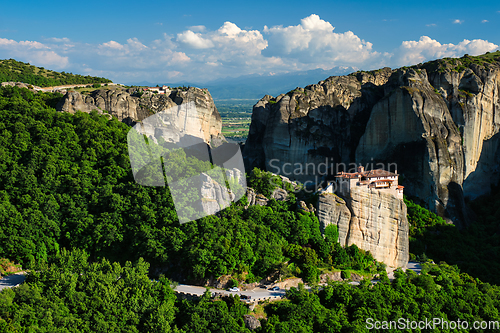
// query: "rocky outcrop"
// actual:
[[214, 196], [251, 322], [437, 122], [412, 127], [374, 220], [255, 198], [333, 210], [132, 105], [303, 133], [303, 207], [326, 277]]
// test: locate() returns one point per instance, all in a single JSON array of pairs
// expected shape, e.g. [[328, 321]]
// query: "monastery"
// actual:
[[378, 179]]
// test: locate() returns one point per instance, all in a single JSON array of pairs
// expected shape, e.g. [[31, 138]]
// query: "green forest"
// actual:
[[92, 238], [67, 183], [75, 294], [17, 71]]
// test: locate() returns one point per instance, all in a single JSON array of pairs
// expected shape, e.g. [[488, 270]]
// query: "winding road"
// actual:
[[256, 294]]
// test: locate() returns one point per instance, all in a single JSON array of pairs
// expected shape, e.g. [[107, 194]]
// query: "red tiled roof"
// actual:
[[383, 180], [400, 187], [378, 173], [347, 175], [367, 174]]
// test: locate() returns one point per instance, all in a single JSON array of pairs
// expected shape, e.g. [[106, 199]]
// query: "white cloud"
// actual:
[[197, 28], [484, 21], [194, 40], [33, 52], [413, 52], [198, 54], [112, 45], [58, 40], [313, 40], [431, 25], [457, 21]]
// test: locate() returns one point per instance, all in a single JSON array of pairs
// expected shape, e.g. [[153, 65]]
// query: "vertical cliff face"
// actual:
[[413, 128], [473, 98], [437, 122], [332, 209], [312, 126], [129, 106], [372, 219]]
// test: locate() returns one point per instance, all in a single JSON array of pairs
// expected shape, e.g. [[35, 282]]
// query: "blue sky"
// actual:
[[198, 41]]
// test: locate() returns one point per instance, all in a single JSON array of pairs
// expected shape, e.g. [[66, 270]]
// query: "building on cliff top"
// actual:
[[378, 179], [160, 90]]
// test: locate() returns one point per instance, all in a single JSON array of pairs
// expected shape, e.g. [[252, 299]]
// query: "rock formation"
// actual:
[[373, 220], [251, 322], [438, 122], [333, 210], [132, 105]]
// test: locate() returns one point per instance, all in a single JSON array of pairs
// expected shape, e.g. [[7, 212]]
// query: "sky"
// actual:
[[200, 41]]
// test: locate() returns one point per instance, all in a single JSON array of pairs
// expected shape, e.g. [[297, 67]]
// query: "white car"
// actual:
[[234, 289]]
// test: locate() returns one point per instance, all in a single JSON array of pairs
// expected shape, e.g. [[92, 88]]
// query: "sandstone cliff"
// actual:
[[373, 220], [438, 122], [131, 106]]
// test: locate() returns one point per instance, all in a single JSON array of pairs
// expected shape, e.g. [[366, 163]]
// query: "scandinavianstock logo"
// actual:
[[161, 144]]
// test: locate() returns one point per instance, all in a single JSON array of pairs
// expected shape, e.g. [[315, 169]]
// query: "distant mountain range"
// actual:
[[255, 86]]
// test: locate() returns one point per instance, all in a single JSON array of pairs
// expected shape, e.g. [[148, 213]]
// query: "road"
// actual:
[[12, 280], [256, 294], [414, 266]]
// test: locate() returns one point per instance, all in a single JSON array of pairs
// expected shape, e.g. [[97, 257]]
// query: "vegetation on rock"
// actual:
[[17, 71]]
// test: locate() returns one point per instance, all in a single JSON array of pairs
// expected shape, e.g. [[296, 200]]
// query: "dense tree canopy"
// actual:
[[441, 291], [66, 183], [74, 294]]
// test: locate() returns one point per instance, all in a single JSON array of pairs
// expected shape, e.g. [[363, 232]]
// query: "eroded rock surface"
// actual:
[[438, 122], [372, 219], [132, 105]]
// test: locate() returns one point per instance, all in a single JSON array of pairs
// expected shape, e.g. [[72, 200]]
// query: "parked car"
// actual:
[[245, 297], [234, 289], [275, 288]]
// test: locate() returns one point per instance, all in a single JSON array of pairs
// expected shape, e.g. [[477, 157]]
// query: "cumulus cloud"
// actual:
[[314, 40], [484, 21], [32, 52], [426, 48], [457, 21], [198, 54], [225, 51], [431, 25], [194, 40]]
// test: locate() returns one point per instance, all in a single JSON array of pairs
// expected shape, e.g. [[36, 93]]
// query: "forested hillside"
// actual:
[[17, 71], [71, 212], [76, 295], [66, 182]]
